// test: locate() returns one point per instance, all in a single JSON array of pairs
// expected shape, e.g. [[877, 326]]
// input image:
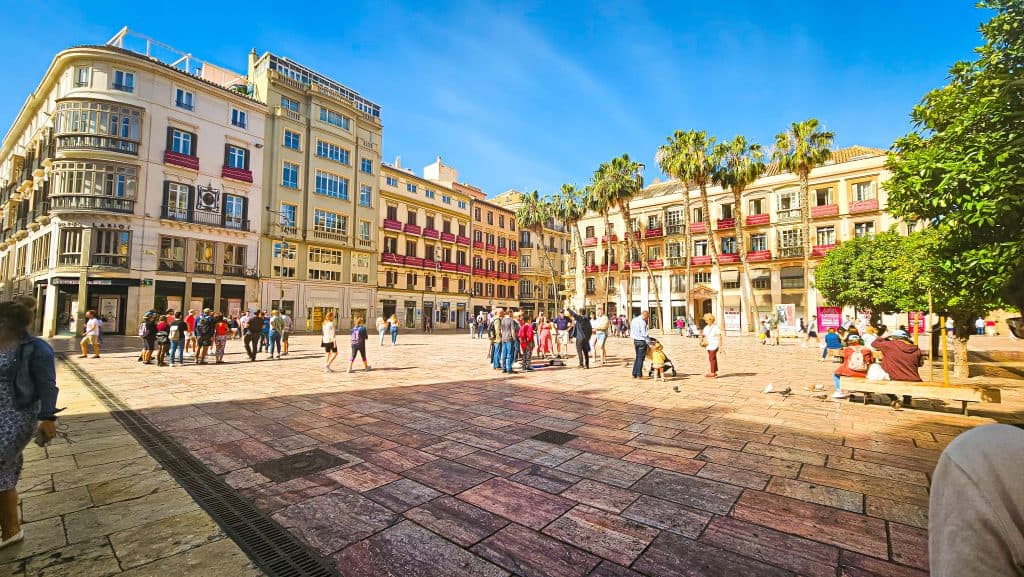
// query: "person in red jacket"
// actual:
[[856, 359], [526, 342], [900, 356]]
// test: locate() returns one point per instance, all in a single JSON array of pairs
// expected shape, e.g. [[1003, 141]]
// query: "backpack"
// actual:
[[857, 362], [143, 329], [357, 337], [203, 326]]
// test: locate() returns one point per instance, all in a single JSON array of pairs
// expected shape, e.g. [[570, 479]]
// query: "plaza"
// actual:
[[432, 463]]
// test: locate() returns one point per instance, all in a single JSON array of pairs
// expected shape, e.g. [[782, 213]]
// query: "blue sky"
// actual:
[[532, 95]]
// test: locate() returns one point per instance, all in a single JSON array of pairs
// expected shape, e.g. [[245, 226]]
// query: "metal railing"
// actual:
[[111, 260], [104, 203], [97, 142]]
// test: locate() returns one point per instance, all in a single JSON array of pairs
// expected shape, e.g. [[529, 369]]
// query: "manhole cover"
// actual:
[[298, 465], [554, 437]]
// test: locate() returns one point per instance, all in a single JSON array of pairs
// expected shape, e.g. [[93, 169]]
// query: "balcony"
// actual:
[[203, 268], [447, 237], [288, 229], [480, 271], [863, 205], [502, 250], [502, 275], [491, 248], [526, 245], [590, 241], [788, 215], [654, 233], [182, 160], [412, 229], [364, 243], [758, 219], [759, 255], [110, 260], [448, 266], [95, 142], [513, 277], [728, 258], [700, 260], [289, 114], [205, 218], [463, 240], [234, 270], [88, 203], [413, 261], [431, 233], [698, 227], [821, 249], [513, 252], [675, 261], [612, 267], [726, 223], [478, 244], [239, 174], [824, 211], [463, 268], [635, 265], [392, 225], [605, 239], [590, 268], [655, 263], [791, 252], [331, 235], [392, 258]]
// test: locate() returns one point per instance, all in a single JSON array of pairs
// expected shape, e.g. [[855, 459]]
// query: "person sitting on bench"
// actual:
[[856, 359], [833, 342], [900, 356]]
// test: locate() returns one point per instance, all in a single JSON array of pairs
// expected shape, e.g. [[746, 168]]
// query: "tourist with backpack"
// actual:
[[147, 330], [358, 340], [204, 332], [176, 338], [162, 341], [856, 359]]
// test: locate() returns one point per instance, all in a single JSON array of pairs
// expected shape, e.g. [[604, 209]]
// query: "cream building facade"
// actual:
[[425, 249], [128, 184], [322, 174], [848, 199]]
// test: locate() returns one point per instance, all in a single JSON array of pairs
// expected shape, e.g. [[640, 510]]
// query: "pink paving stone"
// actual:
[[899, 511], [879, 470], [820, 494], [675, 463], [531, 554], [271, 497], [857, 565], [335, 520], [726, 433], [600, 495], [909, 545], [812, 445], [688, 490], [401, 495], [797, 554], [456, 520], [820, 523], [448, 449], [670, 446], [675, 555], [494, 463], [609, 569], [363, 477], [236, 455], [609, 536], [607, 469], [734, 476], [545, 478], [758, 463], [520, 503], [786, 453], [334, 433], [604, 434], [447, 476], [922, 465], [701, 439], [605, 421], [599, 447], [400, 458], [865, 484]]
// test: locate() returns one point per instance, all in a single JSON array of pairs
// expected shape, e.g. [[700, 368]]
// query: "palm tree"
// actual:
[[741, 165], [601, 205], [569, 206], [669, 157], [621, 179], [800, 149], [533, 214]]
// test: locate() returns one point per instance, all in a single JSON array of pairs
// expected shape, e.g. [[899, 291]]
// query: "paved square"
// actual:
[[442, 466]]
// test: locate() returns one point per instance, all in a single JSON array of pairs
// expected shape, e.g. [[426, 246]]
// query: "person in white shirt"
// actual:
[[328, 342], [638, 332], [712, 340], [92, 335], [600, 325]]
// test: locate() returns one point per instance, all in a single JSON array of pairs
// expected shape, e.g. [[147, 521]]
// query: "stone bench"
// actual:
[[961, 391]]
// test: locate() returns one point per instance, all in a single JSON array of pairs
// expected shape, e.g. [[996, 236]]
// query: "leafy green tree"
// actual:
[[962, 171], [800, 149]]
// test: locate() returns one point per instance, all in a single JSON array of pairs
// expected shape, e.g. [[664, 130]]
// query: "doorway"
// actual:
[[428, 313], [410, 314]]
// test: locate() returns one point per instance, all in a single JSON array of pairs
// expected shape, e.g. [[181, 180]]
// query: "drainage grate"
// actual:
[[554, 437], [272, 548], [298, 465]]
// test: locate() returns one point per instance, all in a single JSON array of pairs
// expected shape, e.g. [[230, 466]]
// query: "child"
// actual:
[[526, 342], [658, 360], [359, 337]]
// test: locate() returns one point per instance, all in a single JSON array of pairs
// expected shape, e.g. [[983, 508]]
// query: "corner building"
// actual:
[[127, 184], [495, 250], [322, 171]]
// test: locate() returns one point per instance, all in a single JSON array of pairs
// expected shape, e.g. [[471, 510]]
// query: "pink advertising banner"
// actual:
[[829, 317], [915, 319]]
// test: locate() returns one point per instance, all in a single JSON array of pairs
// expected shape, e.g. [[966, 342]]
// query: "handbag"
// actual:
[[703, 342]]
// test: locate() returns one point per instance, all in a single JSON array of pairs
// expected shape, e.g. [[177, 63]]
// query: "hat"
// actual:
[[853, 337], [899, 334]]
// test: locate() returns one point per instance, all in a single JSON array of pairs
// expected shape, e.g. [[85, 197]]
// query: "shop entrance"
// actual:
[[410, 314], [428, 313]]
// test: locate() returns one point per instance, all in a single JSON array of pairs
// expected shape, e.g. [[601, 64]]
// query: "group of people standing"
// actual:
[[515, 336]]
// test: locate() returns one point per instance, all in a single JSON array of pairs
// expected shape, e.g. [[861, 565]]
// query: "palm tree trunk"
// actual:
[[603, 245], [578, 258], [746, 286], [805, 218], [631, 247], [687, 253], [716, 270]]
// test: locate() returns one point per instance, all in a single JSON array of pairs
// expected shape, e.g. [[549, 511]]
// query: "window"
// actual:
[[106, 125], [239, 118], [41, 253], [330, 222], [701, 278], [758, 242], [410, 216], [331, 185], [234, 260], [524, 261], [791, 243], [289, 104], [823, 196], [864, 229], [365, 194], [366, 165], [391, 181], [430, 221], [730, 279], [287, 215], [501, 221], [762, 282], [182, 142], [204, 257], [112, 248], [410, 187], [490, 217], [290, 175], [284, 251], [501, 291], [825, 235], [864, 190], [178, 196], [234, 212], [461, 204], [70, 247], [755, 206], [237, 157], [729, 245], [410, 280], [327, 256], [698, 214], [360, 278], [428, 193], [184, 99], [678, 283], [674, 249], [446, 226], [727, 211], [700, 248], [476, 214], [792, 277], [82, 76], [172, 254], [293, 140], [124, 81], [364, 230], [390, 245], [446, 199], [332, 152], [334, 118], [283, 271]]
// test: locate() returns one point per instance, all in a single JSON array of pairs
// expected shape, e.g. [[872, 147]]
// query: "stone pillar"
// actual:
[[49, 307], [83, 287]]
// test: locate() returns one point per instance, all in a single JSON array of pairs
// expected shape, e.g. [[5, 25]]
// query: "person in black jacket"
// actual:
[[581, 331], [28, 399], [253, 332]]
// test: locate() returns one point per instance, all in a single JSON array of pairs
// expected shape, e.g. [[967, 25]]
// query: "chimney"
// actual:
[[398, 161]]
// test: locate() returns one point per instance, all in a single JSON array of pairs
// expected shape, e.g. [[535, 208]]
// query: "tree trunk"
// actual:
[[805, 221], [746, 285], [579, 260], [961, 334], [627, 224], [605, 260], [687, 251], [716, 270]]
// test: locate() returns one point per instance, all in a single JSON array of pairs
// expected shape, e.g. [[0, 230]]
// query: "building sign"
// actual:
[[829, 317], [786, 315]]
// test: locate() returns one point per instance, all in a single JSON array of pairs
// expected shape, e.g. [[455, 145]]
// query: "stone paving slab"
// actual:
[[445, 476]]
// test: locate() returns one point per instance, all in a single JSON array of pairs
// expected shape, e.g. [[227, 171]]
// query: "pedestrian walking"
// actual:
[[253, 334], [162, 342], [711, 340], [91, 335], [601, 325], [544, 340], [190, 337], [176, 339], [382, 329], [638, 331], [276, 330], [329, 341], [204, 332], [581, 330], [220, 337], [812, 331], [28, 405], [507, 333], [393, 329], [526, 342], [358, 340], [284, 333]]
